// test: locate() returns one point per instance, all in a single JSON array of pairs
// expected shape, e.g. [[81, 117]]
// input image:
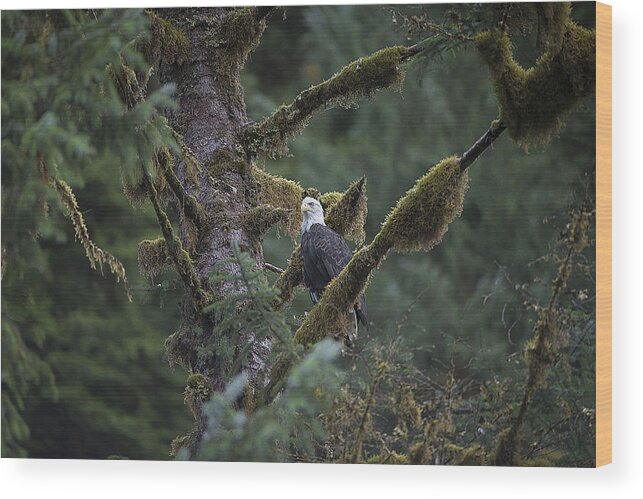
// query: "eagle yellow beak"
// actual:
[[305, 208]]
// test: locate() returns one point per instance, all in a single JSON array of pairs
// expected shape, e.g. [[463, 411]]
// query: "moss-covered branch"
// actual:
[[258, 220], [534, 102], [94, 254], [346, 215], [280, 192], [418, 221], [180, 258], [152, 257], [187, 202], [360, 79]]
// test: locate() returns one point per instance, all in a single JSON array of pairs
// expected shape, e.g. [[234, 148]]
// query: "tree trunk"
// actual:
[[211, 113]]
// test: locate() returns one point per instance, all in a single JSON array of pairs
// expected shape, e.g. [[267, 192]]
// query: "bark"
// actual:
[[210, 114]]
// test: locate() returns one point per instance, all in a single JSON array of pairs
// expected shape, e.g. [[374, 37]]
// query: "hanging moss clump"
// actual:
[[167, 42], [422, 216], [95, 255], [534, 102], [134, 191], [188, 442], [360, 79], [420, 453], [282, 193], [197, 391], [153, 257]]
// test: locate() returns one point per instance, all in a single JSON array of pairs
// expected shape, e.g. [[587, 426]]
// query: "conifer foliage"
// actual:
[[154, 99]]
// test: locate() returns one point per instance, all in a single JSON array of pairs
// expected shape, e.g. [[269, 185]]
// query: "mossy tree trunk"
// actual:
[[210, 115]]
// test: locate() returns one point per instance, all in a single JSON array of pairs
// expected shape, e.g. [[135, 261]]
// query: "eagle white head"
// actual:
[[312, 213]]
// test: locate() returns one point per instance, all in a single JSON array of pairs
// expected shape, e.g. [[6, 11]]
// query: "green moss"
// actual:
[[534, 102], [95, 255], [346, 212], [281, 193], [291, 278], [197, 391], [152, 257], [181, 346], [131, 86], [419, 453], [505, 454], [258, 220], [167, 43], [467, 456], [392, 458], [360, 79], [552, 23], [135, 191], [187, 442], [240, 33], [327, 200], [422, 216], [225, 161]]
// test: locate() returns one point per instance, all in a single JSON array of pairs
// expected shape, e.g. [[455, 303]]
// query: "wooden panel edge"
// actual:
[[603, 234]]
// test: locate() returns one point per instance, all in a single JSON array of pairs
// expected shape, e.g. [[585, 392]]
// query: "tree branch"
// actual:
[[180, 258], [360, 79], [418, 222], [481, 145], [273, 268], [187, 202], [94, 254]]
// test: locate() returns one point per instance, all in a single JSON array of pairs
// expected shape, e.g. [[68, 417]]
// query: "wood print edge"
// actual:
[[603, 234]]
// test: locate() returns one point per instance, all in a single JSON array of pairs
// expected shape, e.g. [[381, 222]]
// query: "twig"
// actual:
[[481, 145], [273, 268]]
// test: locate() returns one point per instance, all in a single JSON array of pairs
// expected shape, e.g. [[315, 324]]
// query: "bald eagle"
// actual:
[[324, 254]]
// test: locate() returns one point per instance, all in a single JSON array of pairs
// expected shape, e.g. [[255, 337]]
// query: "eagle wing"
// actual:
[[324, 255]]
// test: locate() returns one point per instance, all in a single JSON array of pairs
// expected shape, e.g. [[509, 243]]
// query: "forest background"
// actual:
[[103, 387]]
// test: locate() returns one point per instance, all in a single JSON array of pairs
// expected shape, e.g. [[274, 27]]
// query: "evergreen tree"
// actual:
[[94, 87]]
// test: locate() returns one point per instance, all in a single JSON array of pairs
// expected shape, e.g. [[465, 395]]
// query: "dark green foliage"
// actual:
[[440, 378], [287, 431], [77, 373]]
